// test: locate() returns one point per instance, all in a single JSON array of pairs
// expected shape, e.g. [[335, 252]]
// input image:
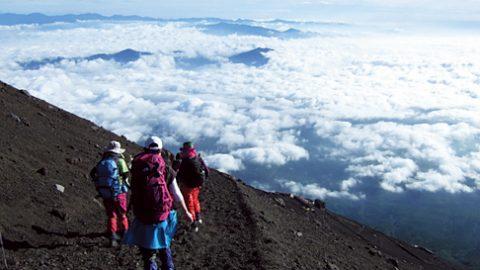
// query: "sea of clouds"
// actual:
[[401, 109]]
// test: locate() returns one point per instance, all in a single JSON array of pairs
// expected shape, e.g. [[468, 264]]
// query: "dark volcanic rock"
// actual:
[[280, 201], [15, 117], [62, 215], [25, 92], [243, 228], [73, 161], [42, 171]]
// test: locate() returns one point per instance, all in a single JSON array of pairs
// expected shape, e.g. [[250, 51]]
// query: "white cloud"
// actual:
[[399, 110], [224, 162], [346, 185], [272, 154], [315, 191]]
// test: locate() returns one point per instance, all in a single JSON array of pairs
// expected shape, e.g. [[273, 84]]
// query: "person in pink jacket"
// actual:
[[153, 191]]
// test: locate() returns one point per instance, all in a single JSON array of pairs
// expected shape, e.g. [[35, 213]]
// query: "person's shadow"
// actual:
[[16, 245]]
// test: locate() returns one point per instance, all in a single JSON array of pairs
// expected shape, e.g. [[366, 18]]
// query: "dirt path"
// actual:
[[226, 240]]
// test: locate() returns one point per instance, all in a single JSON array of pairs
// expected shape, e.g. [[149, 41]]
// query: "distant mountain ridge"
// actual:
[[40, 18], [123, 57], [253, 58], [224, 28], [214, 26]]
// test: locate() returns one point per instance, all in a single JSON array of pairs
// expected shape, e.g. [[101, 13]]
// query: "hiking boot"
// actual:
[[199, 218], [120, 234], [114, 238], [151, 265], [194, 226], [114, 243], [149, 257]]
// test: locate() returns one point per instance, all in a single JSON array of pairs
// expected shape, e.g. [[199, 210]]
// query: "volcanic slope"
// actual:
[[42, 146]]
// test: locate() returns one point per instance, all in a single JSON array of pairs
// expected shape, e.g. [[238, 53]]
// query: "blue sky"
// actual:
[[367, 10]]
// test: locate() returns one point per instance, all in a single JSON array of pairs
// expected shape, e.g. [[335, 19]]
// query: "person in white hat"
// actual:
[[114, 147], [111, 180], [154, 189]]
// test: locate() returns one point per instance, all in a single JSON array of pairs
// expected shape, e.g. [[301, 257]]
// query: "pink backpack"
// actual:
[[151, 199]]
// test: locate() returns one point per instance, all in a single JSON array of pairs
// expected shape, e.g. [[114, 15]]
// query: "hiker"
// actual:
[[154, 189], [192, 172], [111, 181]]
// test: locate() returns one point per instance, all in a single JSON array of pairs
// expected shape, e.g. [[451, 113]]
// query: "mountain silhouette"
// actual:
[[39, 18], [227, 28], [254, 58], [123, 57]]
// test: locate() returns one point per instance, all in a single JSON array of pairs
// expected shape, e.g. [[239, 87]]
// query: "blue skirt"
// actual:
[[152, 236]]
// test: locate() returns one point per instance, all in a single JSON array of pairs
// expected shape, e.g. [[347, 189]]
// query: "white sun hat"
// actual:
[[154, 143], [114, 147]]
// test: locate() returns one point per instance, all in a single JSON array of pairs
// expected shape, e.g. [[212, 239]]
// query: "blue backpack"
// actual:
[[106, 180]]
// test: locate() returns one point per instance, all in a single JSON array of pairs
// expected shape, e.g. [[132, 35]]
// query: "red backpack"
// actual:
[[151, 199]]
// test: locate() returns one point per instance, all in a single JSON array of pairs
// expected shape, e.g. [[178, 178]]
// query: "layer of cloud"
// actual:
[[316, 191], [402, 111]]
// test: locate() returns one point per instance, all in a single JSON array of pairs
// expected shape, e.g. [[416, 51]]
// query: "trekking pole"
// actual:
[[3, 252]]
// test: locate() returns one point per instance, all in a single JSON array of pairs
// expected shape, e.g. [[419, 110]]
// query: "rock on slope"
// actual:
[[42, 146]]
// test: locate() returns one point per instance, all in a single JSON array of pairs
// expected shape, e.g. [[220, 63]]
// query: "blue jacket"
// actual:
[[108, 180]]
